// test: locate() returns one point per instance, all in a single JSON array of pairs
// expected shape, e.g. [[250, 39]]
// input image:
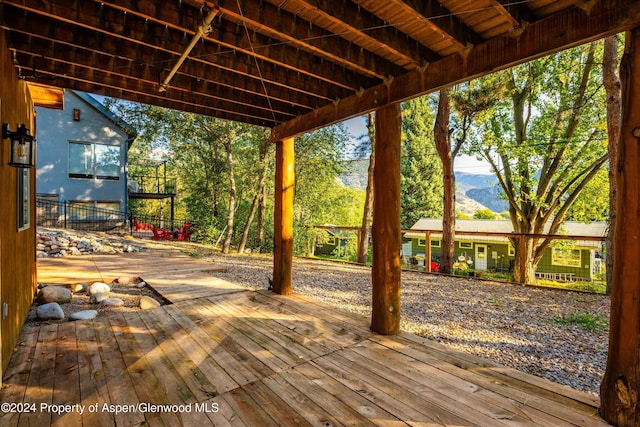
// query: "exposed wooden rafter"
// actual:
[[559, 31]]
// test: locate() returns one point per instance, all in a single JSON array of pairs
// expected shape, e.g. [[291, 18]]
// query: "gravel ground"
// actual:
[[538, 331]]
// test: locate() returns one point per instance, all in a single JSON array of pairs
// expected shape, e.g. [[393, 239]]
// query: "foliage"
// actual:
[[486, 214], [587, 321], [319, 197], [545, 140], [421, 182]]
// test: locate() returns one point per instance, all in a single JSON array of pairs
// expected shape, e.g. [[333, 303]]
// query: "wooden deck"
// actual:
[[232, 357]]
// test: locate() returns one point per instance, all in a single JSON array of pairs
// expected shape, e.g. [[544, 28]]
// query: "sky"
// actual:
[[468, 164]]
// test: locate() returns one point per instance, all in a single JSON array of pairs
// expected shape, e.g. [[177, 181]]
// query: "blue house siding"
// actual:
[[56, 129]]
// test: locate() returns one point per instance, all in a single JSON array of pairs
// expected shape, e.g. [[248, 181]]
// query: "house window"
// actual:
[[436, 243], [421, 242], [331, 241], [89, 160], [566, 257], [24, 200], [465, 245], [512, 251]]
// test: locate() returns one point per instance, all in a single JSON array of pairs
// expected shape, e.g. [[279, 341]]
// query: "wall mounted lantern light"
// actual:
[[22, 146]]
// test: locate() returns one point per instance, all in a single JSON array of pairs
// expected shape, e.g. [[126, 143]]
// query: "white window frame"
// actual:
[[436, 243], [465, 244]]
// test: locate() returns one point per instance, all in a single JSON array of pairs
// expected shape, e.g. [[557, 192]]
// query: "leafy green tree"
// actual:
[[545, 142], [421, 181], [319, 198], [485, 214]]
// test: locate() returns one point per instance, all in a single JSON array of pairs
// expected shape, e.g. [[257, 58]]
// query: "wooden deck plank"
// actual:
[[16, 377], [303, 329], [247, 409], [67, 379], [119, 383], [301, 404], [365, 408], [143, 374], [493, 378], [240, 362], [463, 392], [41, 377], [257, 357], [224, 344], [188, 338], [93, 384], [278, 408], [392, 397], [198, 329]]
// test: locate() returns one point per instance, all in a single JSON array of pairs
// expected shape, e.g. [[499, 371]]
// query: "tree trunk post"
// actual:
[[387, 239], [621, 382], [283, 218]]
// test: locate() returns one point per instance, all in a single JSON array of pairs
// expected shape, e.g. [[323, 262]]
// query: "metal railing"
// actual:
[[150, 184], [56, 214]]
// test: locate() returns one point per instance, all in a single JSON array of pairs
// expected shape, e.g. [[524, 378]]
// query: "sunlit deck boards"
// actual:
[[175, 275], [266, 360]]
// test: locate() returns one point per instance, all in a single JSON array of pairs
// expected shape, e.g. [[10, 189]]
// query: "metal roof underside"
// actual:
[[291, 65]]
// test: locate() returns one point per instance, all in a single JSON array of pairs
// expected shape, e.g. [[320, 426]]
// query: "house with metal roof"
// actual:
[[487, 245]]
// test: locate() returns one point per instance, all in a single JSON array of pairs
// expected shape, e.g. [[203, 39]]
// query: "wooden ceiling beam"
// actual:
[[362, 28], [281, 25], [31, 66], [520, 12], [234, 66], [404, 16], [111, 18], [563, 30], [131, 95], [218, 83], [446, 21], [230, 36], [52, 72]]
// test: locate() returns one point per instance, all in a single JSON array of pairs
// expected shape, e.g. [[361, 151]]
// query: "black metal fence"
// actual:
[[56, 214]]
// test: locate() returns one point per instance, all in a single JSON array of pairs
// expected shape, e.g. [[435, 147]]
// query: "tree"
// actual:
[[264, 144], [442, 136], [319, 163], [545, 143], [612, 86], [421, 186], [363, 243]]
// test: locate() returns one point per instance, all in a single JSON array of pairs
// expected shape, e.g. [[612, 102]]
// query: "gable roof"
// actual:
[[569, 228], [596, 229]]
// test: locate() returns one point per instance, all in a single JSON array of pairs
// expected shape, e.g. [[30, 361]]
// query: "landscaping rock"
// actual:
[[141, 284], [98, 298], [99, 288], [83, 315], [112, 302], [79, 287], [57, 294], [50, 311], [147, 303]]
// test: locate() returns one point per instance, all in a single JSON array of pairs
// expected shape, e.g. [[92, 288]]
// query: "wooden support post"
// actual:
[[621, 383], [387, 240], [283, 218], [427, 252]]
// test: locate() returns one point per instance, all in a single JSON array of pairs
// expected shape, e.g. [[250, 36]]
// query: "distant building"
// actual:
[[571, 260], [82, 154]]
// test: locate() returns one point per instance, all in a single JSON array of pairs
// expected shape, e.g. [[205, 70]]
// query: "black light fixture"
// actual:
[[22, 146]]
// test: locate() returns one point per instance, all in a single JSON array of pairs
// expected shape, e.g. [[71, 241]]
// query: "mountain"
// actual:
[[473, 191]]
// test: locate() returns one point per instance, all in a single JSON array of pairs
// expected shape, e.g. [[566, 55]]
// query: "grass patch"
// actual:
[[192, 253], [587, 321]]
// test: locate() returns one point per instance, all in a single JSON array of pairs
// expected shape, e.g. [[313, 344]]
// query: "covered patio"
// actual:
[[295, 66], [224, 355]]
